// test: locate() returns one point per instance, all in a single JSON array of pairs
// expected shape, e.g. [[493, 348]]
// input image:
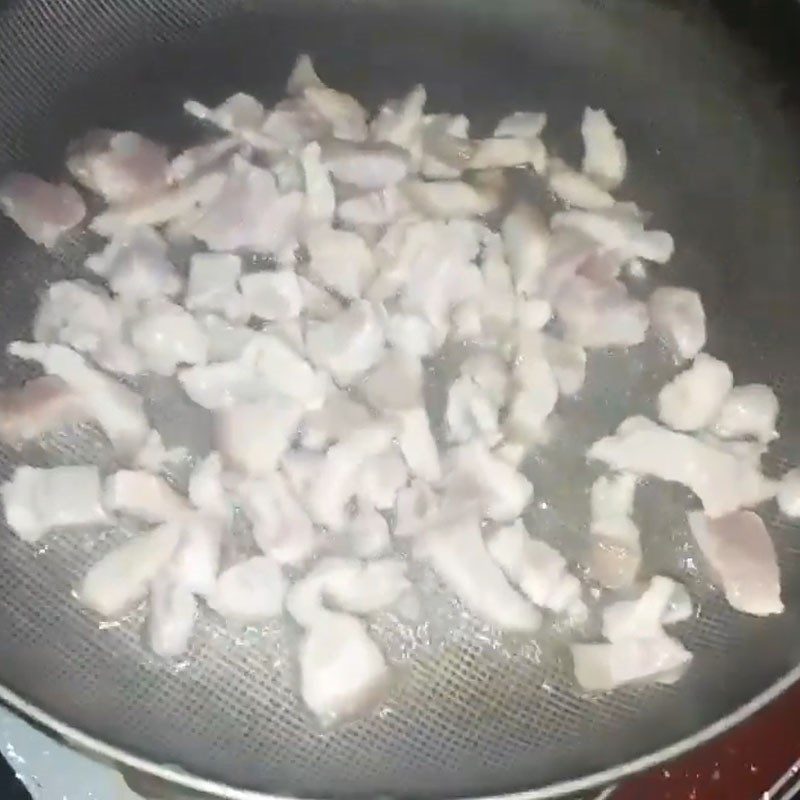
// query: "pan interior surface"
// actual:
[[714, 156]]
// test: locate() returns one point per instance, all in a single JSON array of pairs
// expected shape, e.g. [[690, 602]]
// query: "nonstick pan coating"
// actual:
[[715, 151]]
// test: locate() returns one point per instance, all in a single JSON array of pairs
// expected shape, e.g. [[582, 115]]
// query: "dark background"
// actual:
[[10, 787]]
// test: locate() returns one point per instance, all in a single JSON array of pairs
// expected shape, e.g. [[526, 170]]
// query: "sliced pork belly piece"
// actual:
[[615, 548], [140, 494], [39, 406], [489, 372], [153, 456], [207, 490], [747, 449], [576, 189], [290, 126], [416, 247], [502, 152], [605, 158], [568, 363], [213, 285], [613, 496], [236, 114], [502, 490], [248, 213], [338, 417], [570, 253], [347, 584], [417, 443], [84, 317], [376, 208], [120, 166], [372, 586], [346, 116], [381, 478], [225, 383], [368, 532], [44, 211], [600, 315], [171, 617], [267, 365], [289, 176], [471, 413], [617, 231], [77, 314], [750, 410], [789, 493], [604, 666], [319, 304], [305, 601], [663, 602], [241, 116], [320, 202], [226, 341], [499, 303], [522, 124], [342, 671], [349, 344], [458, 555], [249, 592], [340, 260], [449, 199], [200, 159], [194, 565], [525, 238], [337, 480], [445, 149], [401, 121], [416, 508], [741, 555], [474, 400], [413, 336], [677, 316], [166, 336], [136, 266], [117, 409], [394, 388], [369, 166], [534, 313], [693, 399], [722, 481], [272, 296], [252, 437], [281, 527], [176, 204], [539, 570], [536, 390], [444, 279], [122, 577], [39, 500], [511, 451], [302, 76]]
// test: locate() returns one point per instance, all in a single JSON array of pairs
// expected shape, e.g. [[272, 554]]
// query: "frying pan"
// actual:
[[714, 145]]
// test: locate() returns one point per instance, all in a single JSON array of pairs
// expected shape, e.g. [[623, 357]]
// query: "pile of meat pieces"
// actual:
[[313, 370], [710, 438]]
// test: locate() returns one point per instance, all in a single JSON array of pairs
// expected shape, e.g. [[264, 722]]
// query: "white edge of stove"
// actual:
[[49, 769]]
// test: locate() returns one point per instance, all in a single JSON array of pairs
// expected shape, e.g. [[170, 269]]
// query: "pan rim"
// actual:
[[176, 776]]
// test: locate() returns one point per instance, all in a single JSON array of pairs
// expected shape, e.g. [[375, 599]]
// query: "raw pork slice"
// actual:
[[44, 211], [741, 554]]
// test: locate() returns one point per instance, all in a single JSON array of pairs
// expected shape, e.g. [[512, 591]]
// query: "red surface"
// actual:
[[741, 765]]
